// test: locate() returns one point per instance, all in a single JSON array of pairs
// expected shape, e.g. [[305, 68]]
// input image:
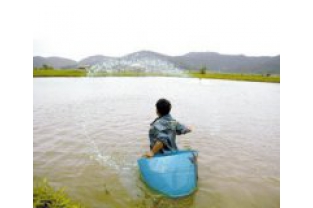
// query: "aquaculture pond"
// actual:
[[89, 133]]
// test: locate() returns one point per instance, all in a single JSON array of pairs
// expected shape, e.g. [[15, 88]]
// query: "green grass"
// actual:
[[238, 77], [59, 73], [44, 196], [208, 75]]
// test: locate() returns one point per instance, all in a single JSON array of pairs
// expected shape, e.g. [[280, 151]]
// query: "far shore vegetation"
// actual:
[[203, 73]]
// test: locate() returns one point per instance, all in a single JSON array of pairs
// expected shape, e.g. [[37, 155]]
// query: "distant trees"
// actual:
[[203, 70], [43, 67], [46, 67]]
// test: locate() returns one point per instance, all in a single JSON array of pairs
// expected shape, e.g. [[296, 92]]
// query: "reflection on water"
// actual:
[[88, 134]]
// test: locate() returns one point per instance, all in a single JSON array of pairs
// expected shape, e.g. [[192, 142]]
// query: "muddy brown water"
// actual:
[[89, 132]]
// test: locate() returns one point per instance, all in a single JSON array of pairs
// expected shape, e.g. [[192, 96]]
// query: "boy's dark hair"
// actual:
[[163, 106]]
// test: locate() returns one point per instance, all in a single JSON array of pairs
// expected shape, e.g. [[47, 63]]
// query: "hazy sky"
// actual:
[[76, 29]]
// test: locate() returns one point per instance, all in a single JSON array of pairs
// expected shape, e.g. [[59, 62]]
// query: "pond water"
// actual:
[[89, 133]]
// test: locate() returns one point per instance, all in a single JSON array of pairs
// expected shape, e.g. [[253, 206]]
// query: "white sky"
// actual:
[[77, 29]]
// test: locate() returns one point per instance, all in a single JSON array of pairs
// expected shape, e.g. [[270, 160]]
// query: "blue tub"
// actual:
[[173, 174]]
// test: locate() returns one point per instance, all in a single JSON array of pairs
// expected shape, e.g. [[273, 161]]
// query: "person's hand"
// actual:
[[191, 128], [149, 154]]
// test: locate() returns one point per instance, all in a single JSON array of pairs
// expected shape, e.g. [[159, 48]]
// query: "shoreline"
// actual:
[[42, 73]]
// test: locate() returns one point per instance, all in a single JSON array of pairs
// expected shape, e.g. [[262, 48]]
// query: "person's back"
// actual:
[[163, 130]]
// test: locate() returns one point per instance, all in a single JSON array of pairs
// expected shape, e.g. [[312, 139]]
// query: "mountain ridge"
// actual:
[[154, 61]]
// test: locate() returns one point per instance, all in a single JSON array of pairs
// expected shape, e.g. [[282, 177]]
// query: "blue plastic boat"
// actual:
[[173, 174]]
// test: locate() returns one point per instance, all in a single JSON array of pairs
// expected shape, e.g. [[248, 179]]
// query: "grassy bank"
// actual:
[[210, 75], [239, 77], [59, 73], [44, 196]]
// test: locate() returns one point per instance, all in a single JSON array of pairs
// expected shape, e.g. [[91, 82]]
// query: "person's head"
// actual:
[[163, 107]]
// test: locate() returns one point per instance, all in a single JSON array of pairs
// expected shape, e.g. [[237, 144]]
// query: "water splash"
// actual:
[[137, 63], [115, 163]]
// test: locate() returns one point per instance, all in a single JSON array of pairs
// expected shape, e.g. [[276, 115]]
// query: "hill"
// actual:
[[55, 62], [157, 62]]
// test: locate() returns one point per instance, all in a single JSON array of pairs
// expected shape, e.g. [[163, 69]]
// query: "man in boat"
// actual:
[[163, 130]]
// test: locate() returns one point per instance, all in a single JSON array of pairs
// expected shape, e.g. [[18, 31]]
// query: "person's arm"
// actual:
[[156, 148], [182, 129]]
